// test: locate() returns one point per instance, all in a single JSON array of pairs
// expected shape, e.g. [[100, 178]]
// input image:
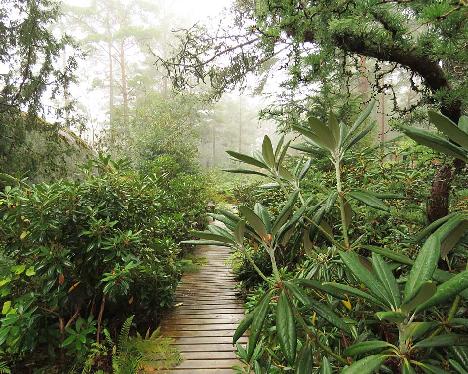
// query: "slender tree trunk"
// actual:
[[123, 71], [111, 81], [240, 124], [363, 77], [213, 144], [382, 118]]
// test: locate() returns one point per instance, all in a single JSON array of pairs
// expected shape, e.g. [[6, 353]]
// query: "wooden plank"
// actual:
[[195, 371], [196, 340], [208, 355], [203, 333], [200, 321], [209, 364], [213, 347], [209, 326]]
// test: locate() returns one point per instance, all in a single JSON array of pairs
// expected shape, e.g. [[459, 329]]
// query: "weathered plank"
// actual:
[[206, 315]]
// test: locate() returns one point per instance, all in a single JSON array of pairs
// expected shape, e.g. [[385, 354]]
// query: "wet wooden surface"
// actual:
[[206, 317]]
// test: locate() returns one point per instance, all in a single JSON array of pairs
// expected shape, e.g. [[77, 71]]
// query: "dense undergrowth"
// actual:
[[79, 258], [341, 271]]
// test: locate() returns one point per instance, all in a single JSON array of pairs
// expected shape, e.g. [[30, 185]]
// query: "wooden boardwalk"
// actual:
[[206, 317]]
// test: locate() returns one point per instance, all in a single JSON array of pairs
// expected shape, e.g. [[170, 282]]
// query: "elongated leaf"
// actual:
[[406, 367], [285, 212], [323, 133], [321, 309], [351, 260], [387, 279], [305, 360], [345, 290], [423, 267], [367, 365], [304, 170], [259, 317], [446, 291], [325, 368], [267, 152], [449, 128], [463, 124], [254, 221], [395, 317], [443, 341], [451, 232], [368, 199], [326, 313], [334, 128], [313, 139], [262, 212], [285, 174], [362, 116], [239, 232], [457, 367], [245, 171], [367, 346], [247, 159], [282, 154], [435, 142], [402, 259], [242, 328], [425, 292], [359, 136], [286, 328], [312, 283], [432, 227], [278, 147], [211, 236], [414, 330], [430, 369], [203, 242]]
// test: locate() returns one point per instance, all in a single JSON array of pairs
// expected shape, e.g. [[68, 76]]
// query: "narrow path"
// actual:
[[208, 314]]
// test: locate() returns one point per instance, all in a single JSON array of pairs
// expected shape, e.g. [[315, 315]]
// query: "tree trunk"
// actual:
[[123, 71], [240, 124]]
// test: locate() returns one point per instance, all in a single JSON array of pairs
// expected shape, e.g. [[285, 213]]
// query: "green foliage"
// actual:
[[364, 306], [78, 255]]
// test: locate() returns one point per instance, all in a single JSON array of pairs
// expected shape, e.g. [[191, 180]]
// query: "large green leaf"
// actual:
[[443, 341], [267, 152], [305, 360], [354, 139], [313, 138], [368, 199], [254, 221], [425, 292], [362, 116], [327, 313], [262, 212], [322, 310], [367, 346], [423, 267], [325, 368], [449, 128], [239, 232], [286, 328], [432, 227], [334, 127], [367, 365], [324, 134], [402, 259], [260, 314], [451, 232], [446, 291], [215, 237], [384, 273], [435, 142], [245, 171], [348, 290], [285, 213], [352, 261], [247, 159], [242, 328]]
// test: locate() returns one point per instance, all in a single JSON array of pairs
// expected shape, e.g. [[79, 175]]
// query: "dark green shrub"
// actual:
[[95, 251]]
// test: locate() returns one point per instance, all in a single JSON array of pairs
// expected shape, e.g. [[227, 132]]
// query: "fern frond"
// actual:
[[124, 333]]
